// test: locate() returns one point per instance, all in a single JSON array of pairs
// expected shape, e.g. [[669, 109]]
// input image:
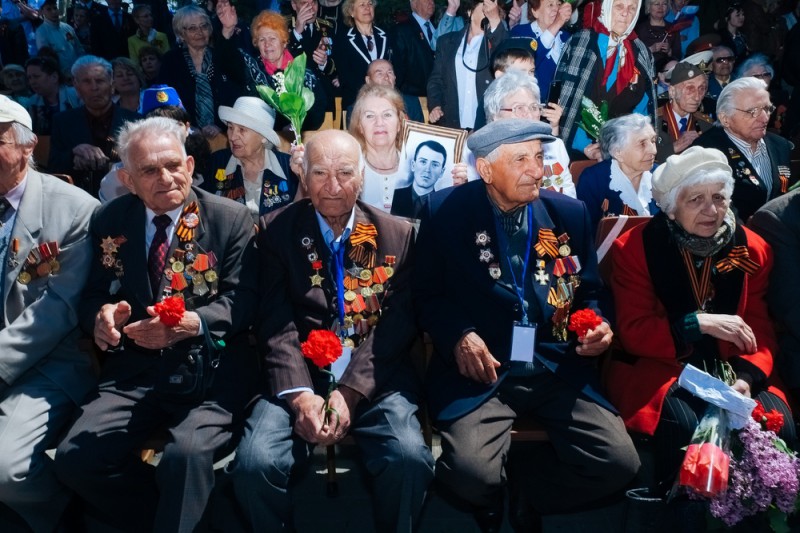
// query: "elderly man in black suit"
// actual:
[[495, 291], [414, 46], [760, 160], [111, 28], [332, 263], [82, 143], [166, 238]]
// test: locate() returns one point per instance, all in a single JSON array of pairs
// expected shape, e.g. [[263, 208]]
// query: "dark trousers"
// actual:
[[590, 456], [99, 457]]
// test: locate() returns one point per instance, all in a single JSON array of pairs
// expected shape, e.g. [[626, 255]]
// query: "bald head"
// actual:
[[380, 72], [333, 173]]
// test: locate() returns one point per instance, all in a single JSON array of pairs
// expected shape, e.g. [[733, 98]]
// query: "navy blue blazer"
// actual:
[[454, 294], [593, 189]]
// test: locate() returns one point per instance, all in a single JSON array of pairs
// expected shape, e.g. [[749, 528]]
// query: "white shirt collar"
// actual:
[[327, 232], [173, 215], [636, 200], [14, 196]]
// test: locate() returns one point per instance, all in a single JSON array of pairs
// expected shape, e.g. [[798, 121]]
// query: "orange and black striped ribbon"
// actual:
[[184, 232], [363, 245], [628, 212], [700, 287], [547, 244], [737, 258], [784, 184]]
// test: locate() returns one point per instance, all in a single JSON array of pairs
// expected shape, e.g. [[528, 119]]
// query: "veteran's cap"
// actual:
[[159, 96], [508, 131], [11, 111], [684, 71]]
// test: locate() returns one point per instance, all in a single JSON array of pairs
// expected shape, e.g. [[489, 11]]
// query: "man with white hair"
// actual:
[[45, 252], [165, 239], [760, 160], [334, 266]]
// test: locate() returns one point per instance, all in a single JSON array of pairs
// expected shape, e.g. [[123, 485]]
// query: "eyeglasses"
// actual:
[[196, 28], [753, 112], [725, 59], [370, 44], [522, 110], [762, 75]]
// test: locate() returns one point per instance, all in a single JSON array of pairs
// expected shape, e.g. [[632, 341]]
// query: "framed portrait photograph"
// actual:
[[429, 152]]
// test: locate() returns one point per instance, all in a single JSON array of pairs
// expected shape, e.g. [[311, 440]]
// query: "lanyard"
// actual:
[[503, 241], [338, 276]]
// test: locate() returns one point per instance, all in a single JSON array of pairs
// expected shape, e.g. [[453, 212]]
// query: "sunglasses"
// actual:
[[725, 59]]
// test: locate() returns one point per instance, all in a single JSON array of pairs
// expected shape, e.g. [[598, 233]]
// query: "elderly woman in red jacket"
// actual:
[[689, 288]]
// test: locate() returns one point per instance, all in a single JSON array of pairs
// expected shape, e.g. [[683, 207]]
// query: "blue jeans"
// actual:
[[392, 450]]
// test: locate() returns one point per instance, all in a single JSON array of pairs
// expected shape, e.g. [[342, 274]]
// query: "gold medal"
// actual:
[[197, 279], [316, 280], [211, 276], [377, 288], [55, 266], [564, 250], [389, 271], [24, 278], [366, 292], [348, 322], [358, 317], [365, 275], [349, 296], [177, 267], [348, 343], [372, 320]]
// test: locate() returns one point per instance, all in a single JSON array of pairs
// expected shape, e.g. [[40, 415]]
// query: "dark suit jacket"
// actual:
[[443, 84], [454, 293], [413, 58], [778, 222], [71, 128], [13, 45], [352, 59], [108, 41], [748, 196], [229, 82], [291, 307], [225, 228]]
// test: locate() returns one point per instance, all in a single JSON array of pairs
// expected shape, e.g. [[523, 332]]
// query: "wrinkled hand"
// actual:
[[742, 387], [228, 18], [593, 152], [344, 400], [151, 334], [596, 341], [685, 141], [320, 55], [108, 322], [564, 14], [729, 328], [305, 16], [460, 175], [552, 112], [307, 408], [474, 359], [452, 7], [435, 114], [89, 157], [297, 153]]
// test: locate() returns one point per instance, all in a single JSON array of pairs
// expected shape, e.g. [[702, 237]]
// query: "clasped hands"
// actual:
[[311, 423], [112, 321], [476, 362]]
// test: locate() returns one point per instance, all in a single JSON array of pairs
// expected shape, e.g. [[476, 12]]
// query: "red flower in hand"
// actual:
[[582, 321], [323, 347], [170, 310]]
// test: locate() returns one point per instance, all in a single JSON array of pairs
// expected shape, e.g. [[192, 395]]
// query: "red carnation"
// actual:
[[758, 412], [582, 321], [772, 420], [170, 310], [323, 347]]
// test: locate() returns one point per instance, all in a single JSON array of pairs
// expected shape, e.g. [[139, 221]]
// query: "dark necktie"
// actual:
[[429, 31], [117, 22], [158, 251], [4, 206], [370, 44], [684, 121]]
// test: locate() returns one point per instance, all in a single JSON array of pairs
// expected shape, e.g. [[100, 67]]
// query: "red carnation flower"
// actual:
[[582, 321], [772, 420], [758, 412], [323, 347], [170, 310]]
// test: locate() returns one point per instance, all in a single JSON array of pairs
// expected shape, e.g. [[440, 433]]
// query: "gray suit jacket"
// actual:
[[39, 324]]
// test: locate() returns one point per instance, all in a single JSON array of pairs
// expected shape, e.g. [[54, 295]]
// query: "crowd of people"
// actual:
[[183, 275]]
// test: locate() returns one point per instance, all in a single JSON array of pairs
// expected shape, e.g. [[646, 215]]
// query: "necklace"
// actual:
[[394, 166]]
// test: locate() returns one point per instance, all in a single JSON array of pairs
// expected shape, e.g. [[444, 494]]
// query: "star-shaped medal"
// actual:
[[316, 280], [109, 246]]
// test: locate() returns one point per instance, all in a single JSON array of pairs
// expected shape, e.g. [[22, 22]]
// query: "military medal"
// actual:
[[482, 238], [541, 276], [316, 280], [564, 250], [485, 255], [12, 257], [190, 219], [494, 271], [547, 243]]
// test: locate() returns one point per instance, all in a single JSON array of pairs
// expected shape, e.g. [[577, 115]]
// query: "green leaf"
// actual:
[[269, 95], [295, 74], [777, 520], [308, 99], [291, 104]]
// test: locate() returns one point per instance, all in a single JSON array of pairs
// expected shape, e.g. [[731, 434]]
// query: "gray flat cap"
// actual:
[[508, 131]]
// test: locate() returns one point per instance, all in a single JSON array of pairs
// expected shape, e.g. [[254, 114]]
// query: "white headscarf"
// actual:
[[605, 18]]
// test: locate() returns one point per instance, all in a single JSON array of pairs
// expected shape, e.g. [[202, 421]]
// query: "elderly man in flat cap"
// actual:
[[45, 252], [495, 291], [681, 119]]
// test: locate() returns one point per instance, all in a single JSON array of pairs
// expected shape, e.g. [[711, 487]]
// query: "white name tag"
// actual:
[[523, 340], [338, 367]]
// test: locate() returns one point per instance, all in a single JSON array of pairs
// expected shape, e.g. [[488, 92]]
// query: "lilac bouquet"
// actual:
[[764, 475]]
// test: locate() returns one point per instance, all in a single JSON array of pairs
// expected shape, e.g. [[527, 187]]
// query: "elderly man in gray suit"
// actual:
[[44, 254]]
